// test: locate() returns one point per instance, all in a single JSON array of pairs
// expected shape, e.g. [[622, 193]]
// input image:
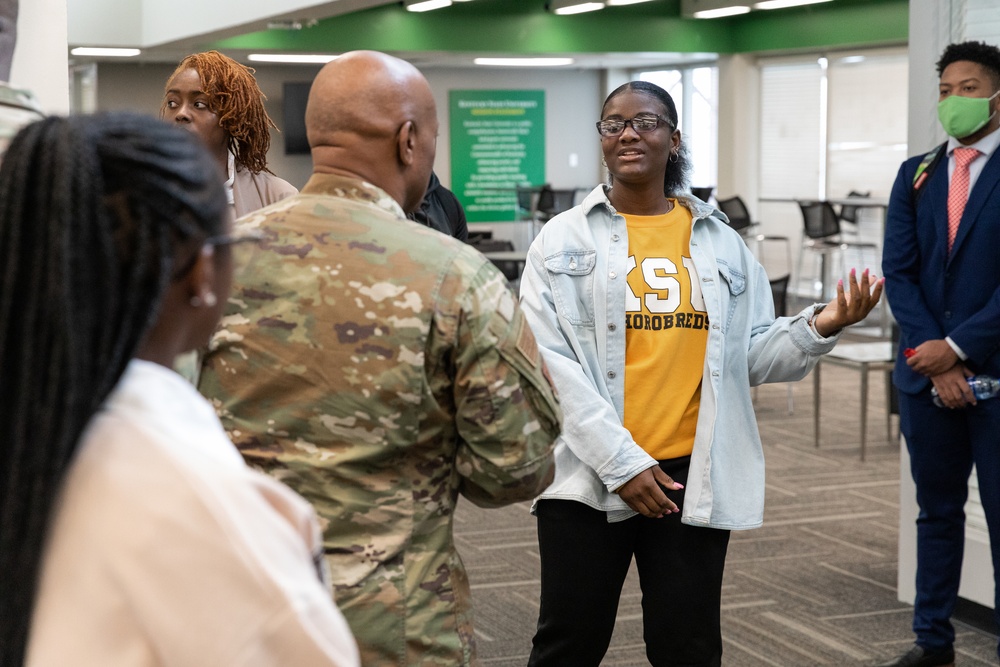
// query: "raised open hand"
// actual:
[[851, 305]]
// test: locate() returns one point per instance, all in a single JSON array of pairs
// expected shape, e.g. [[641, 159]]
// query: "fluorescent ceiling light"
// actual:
[[567, 7], [619, 3], [425, 5], [720, 12], [524, 62], [291, 57], [781, 4], [108, 52]]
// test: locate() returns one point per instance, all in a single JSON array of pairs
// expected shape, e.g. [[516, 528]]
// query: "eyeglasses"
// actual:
[[241, 241], [643, 123]]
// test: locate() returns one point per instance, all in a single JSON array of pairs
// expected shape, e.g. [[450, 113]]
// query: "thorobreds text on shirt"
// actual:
[[666, 332]]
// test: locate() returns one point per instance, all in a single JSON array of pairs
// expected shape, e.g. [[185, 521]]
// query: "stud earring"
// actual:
[[208, 300]]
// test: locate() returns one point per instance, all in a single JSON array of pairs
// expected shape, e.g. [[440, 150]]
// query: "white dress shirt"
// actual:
[[165, 549]]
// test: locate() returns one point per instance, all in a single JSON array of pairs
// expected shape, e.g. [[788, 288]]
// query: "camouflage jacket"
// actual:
[[381, 369]]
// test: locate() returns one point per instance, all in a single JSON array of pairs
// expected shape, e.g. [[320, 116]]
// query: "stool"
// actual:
[[862, 357]]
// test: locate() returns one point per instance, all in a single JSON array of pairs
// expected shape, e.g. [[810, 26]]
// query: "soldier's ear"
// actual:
[[406, 143]]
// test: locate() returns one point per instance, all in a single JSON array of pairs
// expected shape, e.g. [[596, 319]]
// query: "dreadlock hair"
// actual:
[[980, 53], [235, 97], [679, 167], [94, 209]]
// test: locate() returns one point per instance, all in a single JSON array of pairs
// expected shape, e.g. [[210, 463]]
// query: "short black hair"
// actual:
[[980, 53]]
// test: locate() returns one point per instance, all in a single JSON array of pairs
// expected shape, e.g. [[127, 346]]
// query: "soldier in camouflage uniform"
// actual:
[[381, 369]]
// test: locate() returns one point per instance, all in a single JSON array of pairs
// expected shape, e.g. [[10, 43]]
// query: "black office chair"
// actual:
[[739, 220], [738, 214], [779, 292], [703, 194], [822, 235], [527, 201], [552, 202], [510, 269], [849, 214]]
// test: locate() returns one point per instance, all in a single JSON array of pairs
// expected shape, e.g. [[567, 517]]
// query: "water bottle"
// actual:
[[983, 387]]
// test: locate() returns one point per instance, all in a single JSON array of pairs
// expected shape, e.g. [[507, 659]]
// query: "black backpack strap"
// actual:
[[924, 171]]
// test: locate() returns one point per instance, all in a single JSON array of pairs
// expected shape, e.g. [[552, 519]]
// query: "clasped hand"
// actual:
[[937, 360], [851, 305], [644, 493]]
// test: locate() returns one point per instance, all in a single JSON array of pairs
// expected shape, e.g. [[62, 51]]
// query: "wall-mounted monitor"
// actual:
[[296, 94]]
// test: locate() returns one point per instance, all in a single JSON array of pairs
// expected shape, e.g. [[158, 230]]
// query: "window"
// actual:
[[695, 92], [832, 124]]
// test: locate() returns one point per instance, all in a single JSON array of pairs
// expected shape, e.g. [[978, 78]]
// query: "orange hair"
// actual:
[[237, 100]]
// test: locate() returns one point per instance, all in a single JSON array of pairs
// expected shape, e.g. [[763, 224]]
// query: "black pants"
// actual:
[[585, 561]]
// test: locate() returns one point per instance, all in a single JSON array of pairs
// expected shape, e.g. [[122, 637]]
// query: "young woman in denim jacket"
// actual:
[[655, 320]]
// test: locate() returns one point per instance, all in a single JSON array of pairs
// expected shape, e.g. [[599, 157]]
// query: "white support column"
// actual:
[[40, 58], [739, 128], [933, 25]]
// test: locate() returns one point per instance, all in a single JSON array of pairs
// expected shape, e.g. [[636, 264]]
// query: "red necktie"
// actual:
[[958, 191]]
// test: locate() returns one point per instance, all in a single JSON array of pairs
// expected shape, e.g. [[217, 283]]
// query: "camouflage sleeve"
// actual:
[[506, 411]]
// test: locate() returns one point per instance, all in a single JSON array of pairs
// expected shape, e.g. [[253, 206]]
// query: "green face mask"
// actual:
[[962, 116]]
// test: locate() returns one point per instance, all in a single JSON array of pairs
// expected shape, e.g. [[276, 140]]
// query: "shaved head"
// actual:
[[373, 116]]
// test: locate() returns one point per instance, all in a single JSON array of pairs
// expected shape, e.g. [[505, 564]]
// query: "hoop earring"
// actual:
[[673, 156]]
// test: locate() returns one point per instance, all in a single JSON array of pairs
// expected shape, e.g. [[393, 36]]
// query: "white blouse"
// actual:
[[165, 549]]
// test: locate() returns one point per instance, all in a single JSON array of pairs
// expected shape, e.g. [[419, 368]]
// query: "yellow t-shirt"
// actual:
[[666, 332]]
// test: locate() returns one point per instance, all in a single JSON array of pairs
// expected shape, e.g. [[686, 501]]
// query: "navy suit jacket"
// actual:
[[932, 294]]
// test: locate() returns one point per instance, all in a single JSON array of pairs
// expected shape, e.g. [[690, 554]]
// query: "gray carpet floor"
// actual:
[[815, 586]]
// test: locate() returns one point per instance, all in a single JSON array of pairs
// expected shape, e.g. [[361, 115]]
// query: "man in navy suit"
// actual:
[[942, 275]]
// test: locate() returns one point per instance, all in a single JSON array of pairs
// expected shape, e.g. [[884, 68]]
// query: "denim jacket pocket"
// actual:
[[571, 276], [736, 282]]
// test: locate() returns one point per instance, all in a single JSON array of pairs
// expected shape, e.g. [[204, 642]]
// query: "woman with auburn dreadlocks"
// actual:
[[131, 532], [219, 100]]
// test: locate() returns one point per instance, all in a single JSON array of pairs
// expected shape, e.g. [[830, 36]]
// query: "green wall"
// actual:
[[524, 26]]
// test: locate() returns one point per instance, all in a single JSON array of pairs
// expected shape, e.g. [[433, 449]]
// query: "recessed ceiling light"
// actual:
[[720, 12], [523, 62], [102, 51], [781, 4], [312, 58], [567, 7], [425, 5]]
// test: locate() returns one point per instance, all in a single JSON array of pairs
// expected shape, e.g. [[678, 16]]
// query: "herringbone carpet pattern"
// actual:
[[815, 586]]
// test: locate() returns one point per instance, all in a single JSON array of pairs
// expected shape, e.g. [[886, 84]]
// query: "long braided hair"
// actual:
[[93, 210], [235, 97]]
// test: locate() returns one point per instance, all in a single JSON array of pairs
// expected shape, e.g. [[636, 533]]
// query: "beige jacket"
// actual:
[[254, 191]]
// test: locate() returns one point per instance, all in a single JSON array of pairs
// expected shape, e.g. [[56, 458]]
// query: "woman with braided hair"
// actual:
[[131, 532], [219, 100]]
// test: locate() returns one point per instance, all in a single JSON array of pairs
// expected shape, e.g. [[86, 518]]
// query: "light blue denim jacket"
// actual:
[[573, 293]]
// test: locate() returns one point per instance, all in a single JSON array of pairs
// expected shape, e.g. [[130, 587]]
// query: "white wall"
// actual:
[[573, 100], [40, 58], [572, 105]]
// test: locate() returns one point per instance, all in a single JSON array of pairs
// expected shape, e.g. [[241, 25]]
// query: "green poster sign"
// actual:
[[497, 144]]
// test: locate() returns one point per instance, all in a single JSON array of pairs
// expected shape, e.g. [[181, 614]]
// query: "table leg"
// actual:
[[816, 403], [888, 407], [864, 406], [822, 275]]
